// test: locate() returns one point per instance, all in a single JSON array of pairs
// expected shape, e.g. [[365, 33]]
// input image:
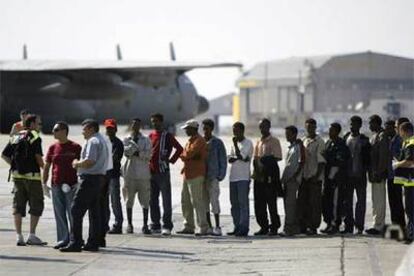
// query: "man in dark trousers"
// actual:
[[91, 169], [267, 153], [113, 176], [395, 196], [333, 195]]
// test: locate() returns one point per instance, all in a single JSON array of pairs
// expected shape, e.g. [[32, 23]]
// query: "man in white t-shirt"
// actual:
[[240, 157]]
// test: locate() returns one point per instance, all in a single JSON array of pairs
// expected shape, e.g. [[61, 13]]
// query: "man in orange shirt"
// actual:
[[192, 198]]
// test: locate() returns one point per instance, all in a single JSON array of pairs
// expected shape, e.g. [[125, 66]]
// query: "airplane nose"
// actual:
[[203, 105]]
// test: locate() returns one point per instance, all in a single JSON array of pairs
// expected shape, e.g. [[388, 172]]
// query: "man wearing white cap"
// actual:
[[194, 157]]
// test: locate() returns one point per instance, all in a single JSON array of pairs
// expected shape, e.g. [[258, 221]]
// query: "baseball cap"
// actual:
[[190, 123], [110, 123]]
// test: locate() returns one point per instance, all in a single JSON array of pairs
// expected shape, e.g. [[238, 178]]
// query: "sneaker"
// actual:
[[373, 231], [130, 229], [145, 230], [20, 240], [209, 231], [166, 232], [35, 240], [186, 232], [261, 232], [217, 231]]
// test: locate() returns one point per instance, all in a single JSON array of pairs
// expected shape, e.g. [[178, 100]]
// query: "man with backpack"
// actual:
[[24, 155]]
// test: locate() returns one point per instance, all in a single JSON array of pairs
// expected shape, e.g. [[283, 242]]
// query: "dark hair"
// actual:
[[390, 123], [376, 119], [239, 125], [266, 121], [136, 120], [158, 116], [402, 120], [63, 125], [293, 129], [356, 119], [336, 126], [91, 123], [407, 127], [31, 118], [208, 122], [24, 112], [310, 121]]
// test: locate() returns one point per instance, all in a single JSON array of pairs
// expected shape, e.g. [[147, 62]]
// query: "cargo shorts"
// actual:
[[28, 191]]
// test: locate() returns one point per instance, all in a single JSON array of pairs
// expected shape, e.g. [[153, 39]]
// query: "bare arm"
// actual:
[[46, 170]]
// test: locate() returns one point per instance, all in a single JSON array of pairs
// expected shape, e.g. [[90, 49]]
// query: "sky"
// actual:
[[215, 30]]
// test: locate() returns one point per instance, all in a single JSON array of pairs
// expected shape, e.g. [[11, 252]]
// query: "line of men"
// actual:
[[319, 178]]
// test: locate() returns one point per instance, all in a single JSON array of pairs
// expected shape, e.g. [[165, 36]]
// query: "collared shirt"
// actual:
[[294, 159], [240, 169], [194, 157], [95, 149], [315, 148], [268, 146], [217, 159]]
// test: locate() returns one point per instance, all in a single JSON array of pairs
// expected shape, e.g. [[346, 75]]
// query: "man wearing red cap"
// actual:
[[112, 177]]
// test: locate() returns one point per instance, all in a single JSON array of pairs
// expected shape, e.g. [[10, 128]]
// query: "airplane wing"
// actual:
[[118, 65]]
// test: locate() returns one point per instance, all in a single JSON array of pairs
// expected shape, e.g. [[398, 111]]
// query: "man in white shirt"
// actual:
[[240, 157]]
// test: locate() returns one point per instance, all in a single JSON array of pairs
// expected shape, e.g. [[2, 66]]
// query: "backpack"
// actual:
[[20, 155]]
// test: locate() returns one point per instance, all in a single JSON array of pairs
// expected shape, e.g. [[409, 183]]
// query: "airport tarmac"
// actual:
[[136, 254]]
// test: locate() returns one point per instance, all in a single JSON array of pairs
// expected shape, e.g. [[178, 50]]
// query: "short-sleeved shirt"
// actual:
[[35, 148], [315, 148], [240, 170], [61, 157], [95, 149], [268, 146]]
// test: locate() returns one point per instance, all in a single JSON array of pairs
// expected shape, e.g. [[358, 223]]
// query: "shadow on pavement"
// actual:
[[36, 259]]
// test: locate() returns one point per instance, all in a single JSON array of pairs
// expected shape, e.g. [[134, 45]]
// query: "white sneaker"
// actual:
[[217, 231], [166, 232], [20, 240], [209, 231], [32, 239]]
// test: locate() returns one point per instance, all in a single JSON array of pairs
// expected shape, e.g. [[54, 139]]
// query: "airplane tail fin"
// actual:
[[118, 52], [24, 51], [172, 52]]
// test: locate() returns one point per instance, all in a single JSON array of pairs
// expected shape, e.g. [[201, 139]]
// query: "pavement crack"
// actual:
[[342, 256]]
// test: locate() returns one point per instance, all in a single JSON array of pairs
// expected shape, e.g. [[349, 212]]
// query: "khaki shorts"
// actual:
[[142, 188], [212, 195], [28, 191]]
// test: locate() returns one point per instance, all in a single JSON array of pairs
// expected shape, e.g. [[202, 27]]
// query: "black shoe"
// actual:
[[373, 231], [90, 248], [232, 233], [102, 243], [261, 232], [348, 231], [360, 231], [272, 233], [71, 248], [333, 230], [201, 233], [21, 243], [60, 245], [145, 230], [186, 232], [311, 232], [241, 234], [115, 230]]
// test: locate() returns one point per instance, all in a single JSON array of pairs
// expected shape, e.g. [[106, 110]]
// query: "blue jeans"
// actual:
[[61, 206], [114, 194], [239, 199], [160, 182]]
